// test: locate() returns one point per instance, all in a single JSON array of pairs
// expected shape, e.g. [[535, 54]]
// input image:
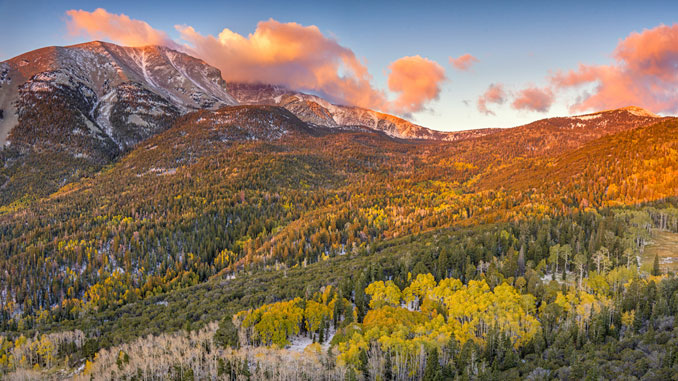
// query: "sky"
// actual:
[[445, 65]]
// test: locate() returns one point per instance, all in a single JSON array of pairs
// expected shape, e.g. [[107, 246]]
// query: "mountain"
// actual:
[[318, 111], [553, 135], [96, 100], [150, 210], [84, 105], [203, 133], [110, 96], [634, 165]]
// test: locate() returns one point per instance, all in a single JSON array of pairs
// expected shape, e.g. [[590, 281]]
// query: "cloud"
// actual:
[[289, 54], [494, 94], [463, 62], [644, 73], [103, 25], [533, 99], [417, 80]]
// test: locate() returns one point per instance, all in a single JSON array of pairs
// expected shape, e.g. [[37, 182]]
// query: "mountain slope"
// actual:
[[183, 209], [268, 189], [554, 135], [66, 111], [204, 133], [636, 165], [313, 109]]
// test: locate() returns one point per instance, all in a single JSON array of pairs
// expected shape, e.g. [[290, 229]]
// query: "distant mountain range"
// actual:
[[112, 97], [86, 105]]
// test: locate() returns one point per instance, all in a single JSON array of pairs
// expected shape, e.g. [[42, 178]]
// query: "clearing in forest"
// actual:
[[664, 244]]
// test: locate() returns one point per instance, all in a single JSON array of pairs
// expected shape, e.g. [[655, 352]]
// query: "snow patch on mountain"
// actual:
[[588, 117]]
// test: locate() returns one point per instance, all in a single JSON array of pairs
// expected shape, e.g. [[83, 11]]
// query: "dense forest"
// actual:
[[223, 249]]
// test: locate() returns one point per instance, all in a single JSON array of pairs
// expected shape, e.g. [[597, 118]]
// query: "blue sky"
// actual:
[[516, 44]]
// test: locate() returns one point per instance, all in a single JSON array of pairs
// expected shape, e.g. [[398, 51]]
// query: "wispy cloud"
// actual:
[[533, 99], [494, 94], [463, 62], [100, 24]]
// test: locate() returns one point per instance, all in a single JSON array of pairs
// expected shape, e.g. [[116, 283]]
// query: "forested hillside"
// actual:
[[374, 256]]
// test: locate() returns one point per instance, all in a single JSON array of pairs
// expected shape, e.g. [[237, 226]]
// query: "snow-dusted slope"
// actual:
[[122, 94], [554, 135], [313, 109]]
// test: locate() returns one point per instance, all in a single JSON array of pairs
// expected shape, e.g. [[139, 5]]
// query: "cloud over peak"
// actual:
[[417, 81], [290, 54], [100, 24], [644, 73]]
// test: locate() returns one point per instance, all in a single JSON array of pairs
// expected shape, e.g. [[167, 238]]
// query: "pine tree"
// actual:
[[362, 358], [655, 266], [227, 334], [245, 370], [432, 372], [521, 261]]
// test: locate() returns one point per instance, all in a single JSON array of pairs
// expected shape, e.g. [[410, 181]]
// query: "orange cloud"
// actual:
[[463, 62], [645, 73], [533, 99], [100, 25], [289, 54], [494, 94], [417, 80]]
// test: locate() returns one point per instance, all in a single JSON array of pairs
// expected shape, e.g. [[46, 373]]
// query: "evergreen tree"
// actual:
[[362, 367], [433, 371], [227, 335], [655, 266]]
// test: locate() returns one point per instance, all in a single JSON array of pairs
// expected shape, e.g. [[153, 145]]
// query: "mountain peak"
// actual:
[[639, 111], [633, 110], [103, 44], [123, 94]]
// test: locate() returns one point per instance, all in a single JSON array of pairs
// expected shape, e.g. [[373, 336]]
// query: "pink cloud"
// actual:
[[494, 94], [645, 73], [289, 54], [463, 62], [299, 57], [533, 99], [417, 81], [103, 25]]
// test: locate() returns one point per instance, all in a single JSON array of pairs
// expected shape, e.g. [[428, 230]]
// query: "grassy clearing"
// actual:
[[664, 244]]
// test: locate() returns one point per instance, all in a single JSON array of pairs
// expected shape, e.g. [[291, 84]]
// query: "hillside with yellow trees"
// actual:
[[245, 243]]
